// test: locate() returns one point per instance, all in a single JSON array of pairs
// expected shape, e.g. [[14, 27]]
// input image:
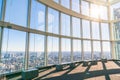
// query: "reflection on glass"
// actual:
[[87, 49], [65, 24], [57, 1], [116, 30], [86, 28], [94, 10], [13, 50], [66, 50], [53, 50], [77, 50], [76, 6], [117, 50], [103, 13], [105, 31], [37, 16], [76, 27], [85, 7], [16, 13], [36, 51], [115, 11], [96, 50], [53, 21], [95, 30], [65, 3], [106, 50]]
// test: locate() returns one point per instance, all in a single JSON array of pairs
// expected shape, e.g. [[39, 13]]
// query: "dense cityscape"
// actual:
[[14, 61]]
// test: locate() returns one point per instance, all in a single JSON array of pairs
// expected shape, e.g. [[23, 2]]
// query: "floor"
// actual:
[[109, 70]]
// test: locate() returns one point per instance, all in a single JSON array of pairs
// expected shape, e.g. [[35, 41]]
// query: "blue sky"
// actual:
[[17, 14]]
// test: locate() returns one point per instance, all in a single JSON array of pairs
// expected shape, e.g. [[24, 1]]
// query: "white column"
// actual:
[[46, 37], [2, 16], [27, 36]]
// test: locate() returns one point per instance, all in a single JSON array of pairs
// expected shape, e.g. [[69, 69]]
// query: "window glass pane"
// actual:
[[65, 3], [106, 50], [0, 7], [76, 6], [53, 50], [94, 10], [115, 8], [16, 13], [65, 24], [116, 30], [105, 31], [117, 50], [87, 49], [95, 30], [77, 50], [66, 50], [36, 51], [103, 13], [86, 28], [76, 27], [85, 7], [96, 50], [53, 21], [57, 1], [13, 50], [37, 16]]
